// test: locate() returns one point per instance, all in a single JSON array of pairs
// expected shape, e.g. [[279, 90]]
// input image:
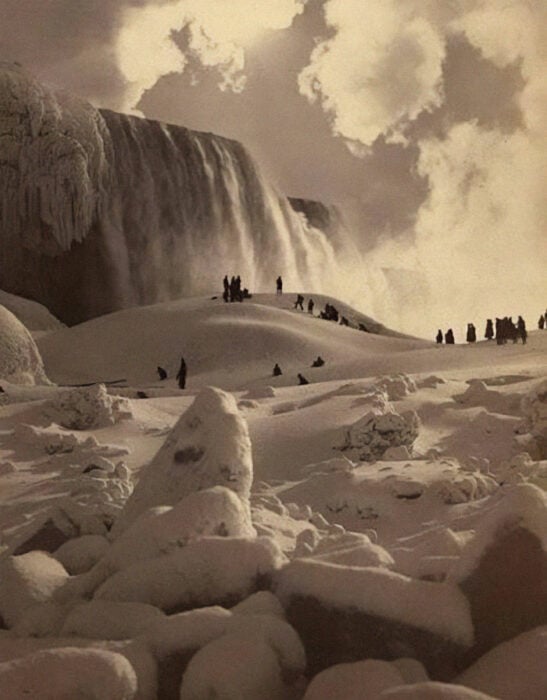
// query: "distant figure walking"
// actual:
[[319, 362], [310, 306], [489, 332], [471, 336], [344, 321], [226, 285], [302, 379], [512, 330], [500, 334], [277, 370], [299, 302], [449, 337], [162, 374], [541, 322], [439, 337], [181, 376], [279, 285], [521, 330]]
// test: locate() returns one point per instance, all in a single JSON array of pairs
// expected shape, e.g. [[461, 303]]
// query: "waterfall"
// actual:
[[101, 211]]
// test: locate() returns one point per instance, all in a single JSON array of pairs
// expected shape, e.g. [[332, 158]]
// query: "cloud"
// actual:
[[378, 71], [216, 34]]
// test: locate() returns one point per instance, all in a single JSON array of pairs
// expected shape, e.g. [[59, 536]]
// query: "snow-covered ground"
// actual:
[[342, 539]]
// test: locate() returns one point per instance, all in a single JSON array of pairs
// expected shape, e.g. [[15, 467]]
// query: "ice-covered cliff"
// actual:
[[100, 211]]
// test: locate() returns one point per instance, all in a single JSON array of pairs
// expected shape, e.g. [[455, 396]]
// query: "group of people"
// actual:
[[505, 329], [233, 290], [181, 374]]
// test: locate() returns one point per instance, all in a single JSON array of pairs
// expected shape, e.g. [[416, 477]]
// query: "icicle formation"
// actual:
[[52, 164]]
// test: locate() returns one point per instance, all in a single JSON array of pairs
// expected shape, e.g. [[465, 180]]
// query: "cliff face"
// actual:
[[100, 211]]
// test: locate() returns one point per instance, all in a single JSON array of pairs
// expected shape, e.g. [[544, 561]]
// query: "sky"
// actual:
[[425, 121]]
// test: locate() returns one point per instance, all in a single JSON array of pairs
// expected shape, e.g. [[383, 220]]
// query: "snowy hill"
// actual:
[[381, 531]]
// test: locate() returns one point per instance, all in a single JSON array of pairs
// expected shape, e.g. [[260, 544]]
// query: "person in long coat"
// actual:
[[489, 332], [439, 337], [181, 376]]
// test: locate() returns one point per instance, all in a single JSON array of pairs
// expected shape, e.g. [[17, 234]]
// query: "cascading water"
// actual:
[[100, 211]]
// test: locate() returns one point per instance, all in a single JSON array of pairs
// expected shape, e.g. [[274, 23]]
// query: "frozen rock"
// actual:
[[430, 382], [7, 468], [41, 620], [356, 681], [208, 446], [344, 614], [101, 619], [397, 454], [372, 435], [89, 407], [431, 690], [504, 568], [258, 657], [205, 572], [82, 553], [20, 359], [69, 673], [260, 603], [26, 580], [513, 670]]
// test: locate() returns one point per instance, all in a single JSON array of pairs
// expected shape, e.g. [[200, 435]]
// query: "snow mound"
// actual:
[[41, 620], [205, 572], [258, 657], [437, 607], [381, 429], [34, 316], [522, 468], [80, 554], [495, 672], [89, 407], [260, 392], [69, 674], [396, 386], [534, 407], [351, 549], [20, 360], [208, 446], [101, 619], [26, 580], [431, 690], [357, 681]]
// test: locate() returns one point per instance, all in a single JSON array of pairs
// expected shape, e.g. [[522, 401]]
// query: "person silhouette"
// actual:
[[439, 337], [277, 370], [302, 380], [279, 285], [181, 376], [162, 374]]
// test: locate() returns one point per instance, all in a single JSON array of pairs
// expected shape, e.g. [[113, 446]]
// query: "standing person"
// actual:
[[439, 337], [449, 337], [471, 336], [181, 376], [310, 306], [233, 288], [279, 285], [499, 331], [162, 374], [521, 329], [239, 293], [489, 332], [302, 379], [226, 284], [277, 370], [541, 322]]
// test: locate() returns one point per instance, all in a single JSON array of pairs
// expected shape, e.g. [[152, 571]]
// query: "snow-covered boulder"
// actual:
[[374, 433], [102, 619], [259, 656], [504, 568], [208, 446], [82, 553], [345, 613], [362, 680], [69, 674], [351, 549], [208, 571], [513, 670], [260, 392], [431, 690], [26, 580], [20, 360], [88, 407], [41, 620]]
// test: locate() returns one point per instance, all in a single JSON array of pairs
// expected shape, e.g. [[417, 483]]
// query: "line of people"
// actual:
[[505, 329], [318, 362]]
